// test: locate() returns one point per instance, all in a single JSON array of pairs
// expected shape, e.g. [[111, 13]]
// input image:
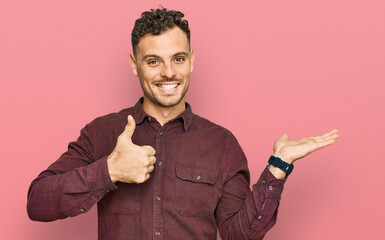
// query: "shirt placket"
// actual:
[[158, 228]]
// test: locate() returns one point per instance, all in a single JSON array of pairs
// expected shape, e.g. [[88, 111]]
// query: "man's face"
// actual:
[[163, 64]]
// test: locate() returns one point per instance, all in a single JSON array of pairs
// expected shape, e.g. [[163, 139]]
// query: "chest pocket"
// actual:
[[195, 191]]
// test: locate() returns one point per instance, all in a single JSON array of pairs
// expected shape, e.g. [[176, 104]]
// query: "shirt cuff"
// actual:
[[100, 180], [99, 184], [268, 187]]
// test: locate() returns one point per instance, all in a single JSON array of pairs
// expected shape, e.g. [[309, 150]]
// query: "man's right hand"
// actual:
[[129, 162]]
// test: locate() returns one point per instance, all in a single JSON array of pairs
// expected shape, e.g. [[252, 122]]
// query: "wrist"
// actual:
[[279, 163], [110, 166], [282, 157], [277, 173]]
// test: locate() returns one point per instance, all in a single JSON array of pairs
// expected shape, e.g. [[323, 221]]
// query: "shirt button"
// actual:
[[270, 187], [157, 233], [157, 198], [263, 182], [259, 217], [198, 177], [149, 119], [82, 210], [161, 133], [160, 164]]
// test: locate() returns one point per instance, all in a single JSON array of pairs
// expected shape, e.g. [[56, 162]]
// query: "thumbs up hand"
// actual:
[[128, 162]]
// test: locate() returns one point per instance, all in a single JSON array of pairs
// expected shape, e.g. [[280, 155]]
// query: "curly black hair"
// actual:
[[155, 22]]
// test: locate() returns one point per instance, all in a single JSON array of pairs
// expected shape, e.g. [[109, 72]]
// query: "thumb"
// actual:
[[284, 137], [130, 127]]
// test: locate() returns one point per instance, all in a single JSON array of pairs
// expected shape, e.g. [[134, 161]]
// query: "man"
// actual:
[[158, 171]]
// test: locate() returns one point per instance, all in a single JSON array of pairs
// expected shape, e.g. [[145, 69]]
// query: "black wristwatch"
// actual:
[[284, 166]]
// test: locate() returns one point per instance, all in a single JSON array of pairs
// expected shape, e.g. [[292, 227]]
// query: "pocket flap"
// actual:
[[196, 174]]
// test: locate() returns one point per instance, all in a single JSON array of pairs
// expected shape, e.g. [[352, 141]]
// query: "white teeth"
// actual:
[[168, 86]]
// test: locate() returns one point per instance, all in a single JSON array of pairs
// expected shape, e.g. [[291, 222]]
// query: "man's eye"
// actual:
[[152, 62], [179, 59]]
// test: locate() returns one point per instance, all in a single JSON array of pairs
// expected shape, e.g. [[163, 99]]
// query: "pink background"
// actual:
[[263, 68]]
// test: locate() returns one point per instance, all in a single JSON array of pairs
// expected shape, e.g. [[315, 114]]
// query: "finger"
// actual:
[[321, 144], [327, 142], [142, 178], [334, 131], [152, 160], [151, 151], [146, 177], [130, 127], [335, 135], [305, 140], [150, 168], [327, 137]]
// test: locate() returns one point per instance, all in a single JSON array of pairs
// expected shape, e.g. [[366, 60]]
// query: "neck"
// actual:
[[163, 114]]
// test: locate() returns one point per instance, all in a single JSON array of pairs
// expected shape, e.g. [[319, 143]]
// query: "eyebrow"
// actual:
[[156, 56]]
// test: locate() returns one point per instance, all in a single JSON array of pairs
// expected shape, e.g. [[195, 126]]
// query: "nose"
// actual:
[[168, 71]]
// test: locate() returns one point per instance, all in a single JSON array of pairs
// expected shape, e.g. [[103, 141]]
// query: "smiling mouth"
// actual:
[[167, 86]]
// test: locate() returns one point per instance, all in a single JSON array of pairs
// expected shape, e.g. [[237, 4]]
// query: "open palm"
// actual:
[[290, 151]]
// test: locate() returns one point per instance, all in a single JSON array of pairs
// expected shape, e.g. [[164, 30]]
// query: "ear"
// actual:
[[133, 65], [192, 60]]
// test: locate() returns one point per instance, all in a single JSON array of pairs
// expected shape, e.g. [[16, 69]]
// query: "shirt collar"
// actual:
[[139, 114], [187, 117]]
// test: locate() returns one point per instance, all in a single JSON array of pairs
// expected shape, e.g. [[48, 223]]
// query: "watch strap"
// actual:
[[284, 166]]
